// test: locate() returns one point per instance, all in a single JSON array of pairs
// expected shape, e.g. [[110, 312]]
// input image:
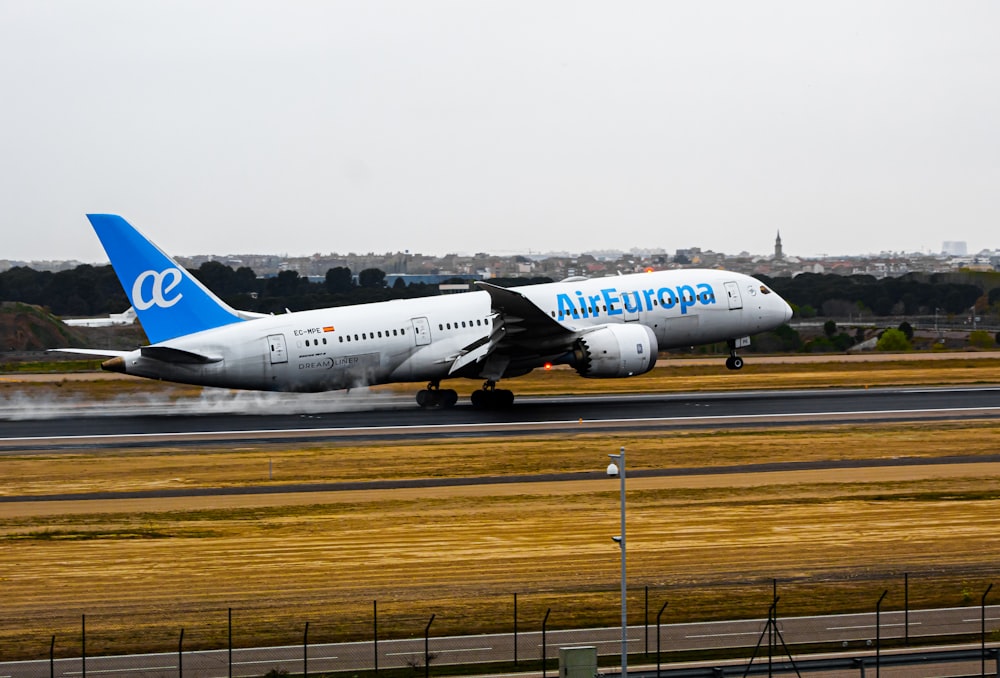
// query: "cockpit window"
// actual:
[[764, 290]]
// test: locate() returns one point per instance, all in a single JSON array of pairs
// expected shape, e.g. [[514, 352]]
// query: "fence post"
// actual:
[[52, 658], [427, 647], [878, 633], [83, 644], [645, 621], [230, 662], [906, 607], [305, 652], [375, 632], [515, 628], [180, 655], [544, 648], [658, 615], [982, 622]]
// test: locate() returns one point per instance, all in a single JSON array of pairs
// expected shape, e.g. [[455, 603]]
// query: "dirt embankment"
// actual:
[[24, 327], [27, 332]]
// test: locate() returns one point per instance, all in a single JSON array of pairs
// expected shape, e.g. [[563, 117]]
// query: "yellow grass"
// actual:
[[142, 568]]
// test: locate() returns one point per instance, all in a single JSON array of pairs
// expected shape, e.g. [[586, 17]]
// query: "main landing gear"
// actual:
[[489, 397], [436, 398]]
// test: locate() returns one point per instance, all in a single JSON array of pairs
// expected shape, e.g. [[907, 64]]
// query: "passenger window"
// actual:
[[463, 323]]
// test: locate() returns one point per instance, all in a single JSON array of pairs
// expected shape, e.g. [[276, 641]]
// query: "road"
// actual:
[[855, 633]]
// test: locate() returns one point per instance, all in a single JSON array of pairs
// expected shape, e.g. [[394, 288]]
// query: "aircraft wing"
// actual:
[[521, 315], [520, 329]]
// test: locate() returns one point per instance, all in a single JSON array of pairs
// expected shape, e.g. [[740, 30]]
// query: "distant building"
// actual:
[[778, 253], [955, 248]]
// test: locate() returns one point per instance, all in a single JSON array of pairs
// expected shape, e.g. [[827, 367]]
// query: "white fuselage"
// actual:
[[419, 339]]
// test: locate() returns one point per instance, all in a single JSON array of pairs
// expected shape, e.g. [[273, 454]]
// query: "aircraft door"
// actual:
[[421, 331], [630, 306], [276, 343], [733, 292]]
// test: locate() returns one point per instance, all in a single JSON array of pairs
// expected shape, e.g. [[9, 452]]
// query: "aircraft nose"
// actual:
[[787, 310]]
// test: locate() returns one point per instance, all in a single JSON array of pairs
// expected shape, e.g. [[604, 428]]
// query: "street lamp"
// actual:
[[619, 470]]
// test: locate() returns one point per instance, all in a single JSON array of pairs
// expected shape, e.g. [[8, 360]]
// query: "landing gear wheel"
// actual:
[[489, 397], [435, 398], [734, 362]]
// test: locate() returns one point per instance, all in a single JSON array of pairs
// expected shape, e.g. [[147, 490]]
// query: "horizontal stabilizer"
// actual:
[[102, 352], [175, 355]]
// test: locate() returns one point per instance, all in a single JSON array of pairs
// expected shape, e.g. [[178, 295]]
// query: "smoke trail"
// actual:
[[21, 405]]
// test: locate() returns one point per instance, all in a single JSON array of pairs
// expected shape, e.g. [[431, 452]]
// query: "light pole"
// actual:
[[619, 470]]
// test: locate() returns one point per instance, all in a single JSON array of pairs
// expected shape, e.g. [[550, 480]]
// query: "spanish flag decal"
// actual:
[[328, 328]]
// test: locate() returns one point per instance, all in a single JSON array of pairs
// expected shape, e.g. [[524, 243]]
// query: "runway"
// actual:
[[393, 417]]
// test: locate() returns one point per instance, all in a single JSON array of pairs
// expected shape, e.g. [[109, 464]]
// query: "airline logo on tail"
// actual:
[[163, 283], [168, 300]]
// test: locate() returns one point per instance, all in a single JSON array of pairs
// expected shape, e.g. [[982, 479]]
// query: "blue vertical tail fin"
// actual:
[[168, 300]]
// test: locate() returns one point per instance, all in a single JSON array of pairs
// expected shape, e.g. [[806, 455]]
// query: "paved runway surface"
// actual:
[[549, 414]]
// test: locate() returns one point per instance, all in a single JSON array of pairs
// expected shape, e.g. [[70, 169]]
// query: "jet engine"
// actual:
[[615, 351]]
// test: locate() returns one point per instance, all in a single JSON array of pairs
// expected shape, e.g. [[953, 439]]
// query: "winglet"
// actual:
[[168, 300]]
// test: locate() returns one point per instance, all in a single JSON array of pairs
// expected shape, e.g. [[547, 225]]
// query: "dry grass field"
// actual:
[[710, 543]]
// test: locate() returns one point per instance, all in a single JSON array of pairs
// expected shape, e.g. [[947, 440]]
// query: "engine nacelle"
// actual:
[[616, 351]]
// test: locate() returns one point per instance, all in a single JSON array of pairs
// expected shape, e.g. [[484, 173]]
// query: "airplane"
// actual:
[[603, 327]]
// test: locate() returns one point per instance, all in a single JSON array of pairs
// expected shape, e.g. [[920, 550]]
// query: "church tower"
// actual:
[[778, 254]]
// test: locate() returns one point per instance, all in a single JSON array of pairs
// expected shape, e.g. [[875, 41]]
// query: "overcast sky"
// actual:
[[466, 126]]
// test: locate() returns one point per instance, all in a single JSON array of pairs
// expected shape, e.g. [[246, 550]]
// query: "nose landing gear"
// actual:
[[734, 362]]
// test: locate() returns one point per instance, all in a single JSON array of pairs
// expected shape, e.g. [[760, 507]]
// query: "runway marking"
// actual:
[[172, 667], [724, 635], [866, 626], [521, 425], [437, 651]]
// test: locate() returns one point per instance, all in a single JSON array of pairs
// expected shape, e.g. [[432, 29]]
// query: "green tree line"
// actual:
[[94, 290], [826, 295]]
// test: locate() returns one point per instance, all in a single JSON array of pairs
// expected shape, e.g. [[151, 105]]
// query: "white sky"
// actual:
[[502, 126]]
